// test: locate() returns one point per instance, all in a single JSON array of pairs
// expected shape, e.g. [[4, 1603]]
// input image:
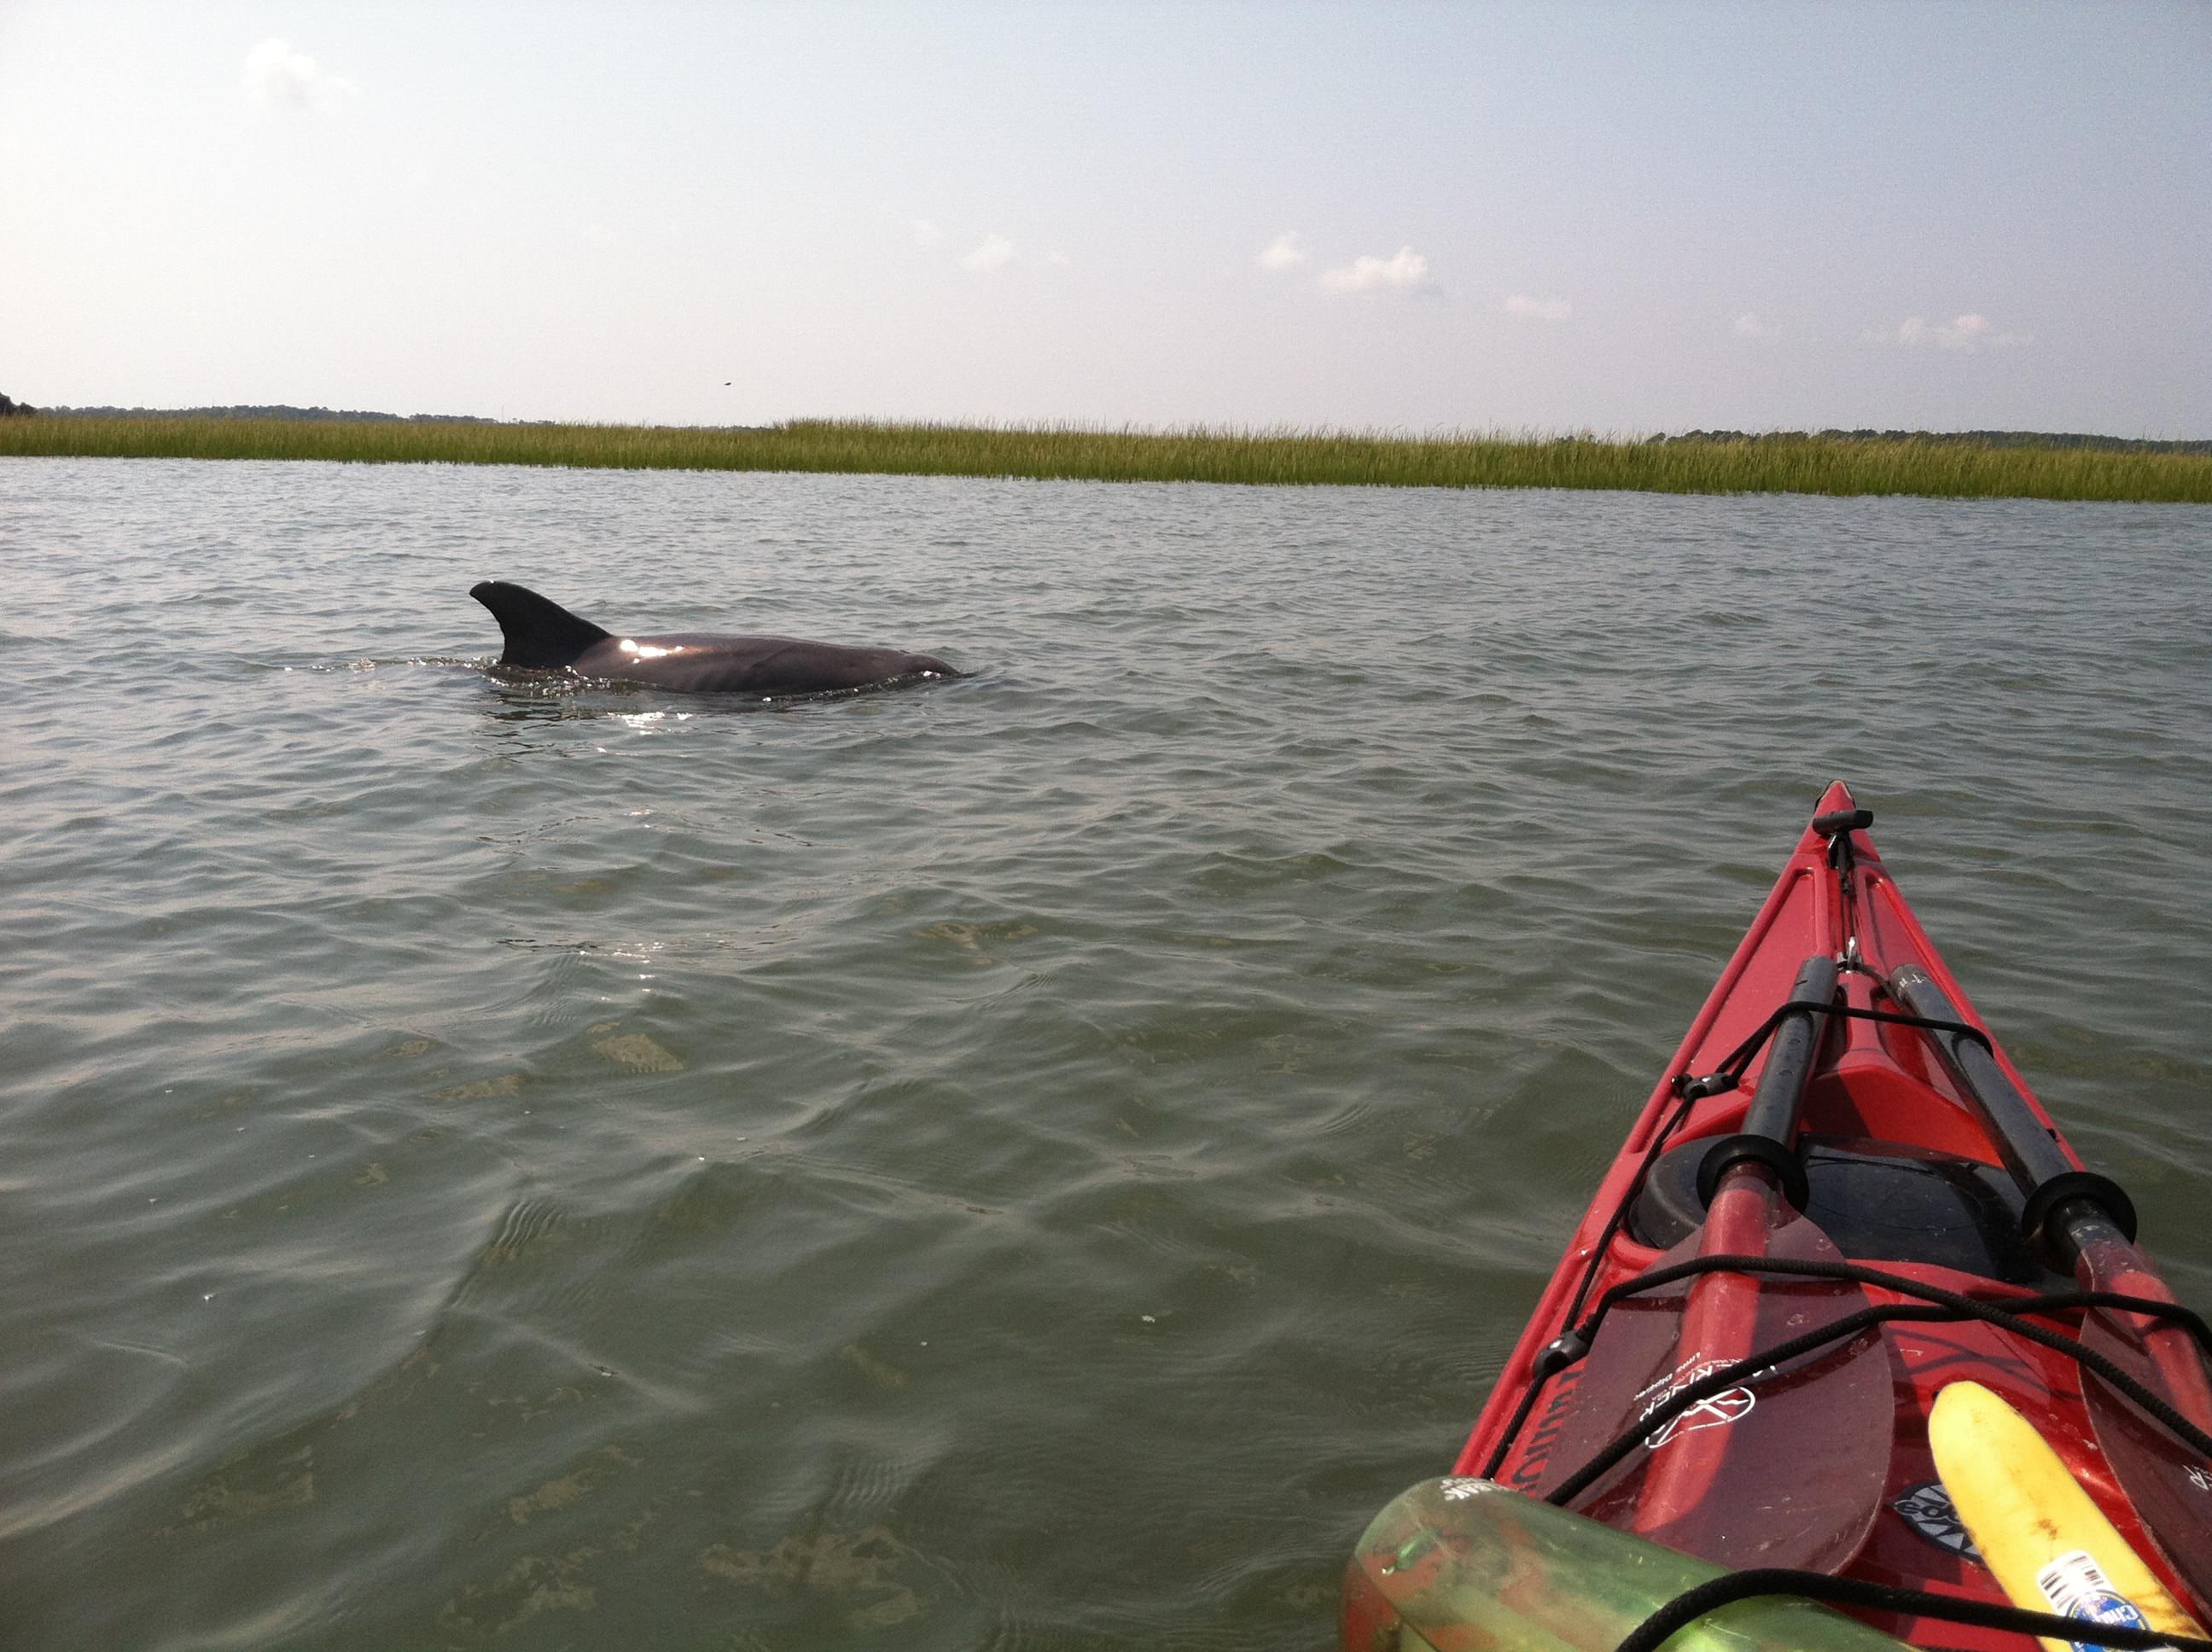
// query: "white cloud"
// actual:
[[1965, 332], [277, 74], [1368, 274], [1283, 252], [996, 252], [1539, 309], [1749, 325], [926, 233]]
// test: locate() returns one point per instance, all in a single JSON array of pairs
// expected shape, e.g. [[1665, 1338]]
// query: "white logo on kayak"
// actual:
[[2199, 1479], [1711, 1411]]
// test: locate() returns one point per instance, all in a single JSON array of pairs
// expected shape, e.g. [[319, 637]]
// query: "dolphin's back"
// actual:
[[751, 664], [541, 635]]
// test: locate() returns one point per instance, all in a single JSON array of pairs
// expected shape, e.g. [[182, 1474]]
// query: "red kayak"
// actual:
[[1841, 1199]]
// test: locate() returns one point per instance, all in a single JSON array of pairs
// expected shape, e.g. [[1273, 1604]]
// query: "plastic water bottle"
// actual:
[[1466, 1565]]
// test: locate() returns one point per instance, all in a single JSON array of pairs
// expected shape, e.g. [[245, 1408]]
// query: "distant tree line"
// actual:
[[276, 412], [1975, 438], [1963, 437]]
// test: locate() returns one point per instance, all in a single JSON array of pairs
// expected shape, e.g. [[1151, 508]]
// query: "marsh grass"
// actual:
[[1812, 465]]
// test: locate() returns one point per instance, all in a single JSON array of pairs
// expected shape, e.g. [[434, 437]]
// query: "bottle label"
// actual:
[[2076, 1587]]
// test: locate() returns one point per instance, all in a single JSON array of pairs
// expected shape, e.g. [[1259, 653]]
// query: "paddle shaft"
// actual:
[[1781, 1093], [2029, 1153], [1770, 1121], [2068, 1210]]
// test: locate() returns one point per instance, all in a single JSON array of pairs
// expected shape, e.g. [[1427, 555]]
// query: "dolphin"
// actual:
[[541, 635]]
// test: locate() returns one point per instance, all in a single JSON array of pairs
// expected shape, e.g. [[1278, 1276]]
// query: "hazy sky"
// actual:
[[1558, 216]]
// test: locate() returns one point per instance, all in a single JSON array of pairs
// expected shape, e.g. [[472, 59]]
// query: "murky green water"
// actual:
[[1028, 1163]]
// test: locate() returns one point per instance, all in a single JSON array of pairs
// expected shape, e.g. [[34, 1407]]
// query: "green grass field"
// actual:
[[1810, 465]]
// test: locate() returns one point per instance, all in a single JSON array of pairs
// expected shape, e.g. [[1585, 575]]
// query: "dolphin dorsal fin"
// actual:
[[541, 635]]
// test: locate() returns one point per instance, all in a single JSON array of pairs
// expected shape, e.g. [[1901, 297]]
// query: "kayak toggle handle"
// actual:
[[1837, 827]]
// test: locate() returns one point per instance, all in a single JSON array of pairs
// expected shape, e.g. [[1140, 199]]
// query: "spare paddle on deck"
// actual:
[[1787, 1469], [2086, 1224]]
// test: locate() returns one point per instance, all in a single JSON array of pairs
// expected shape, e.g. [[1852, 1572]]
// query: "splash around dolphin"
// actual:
[[541, 635]]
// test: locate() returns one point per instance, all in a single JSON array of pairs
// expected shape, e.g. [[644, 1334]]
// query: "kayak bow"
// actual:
[[1841, 1199]]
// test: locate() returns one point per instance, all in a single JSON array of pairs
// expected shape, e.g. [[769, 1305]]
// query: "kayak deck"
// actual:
[[1901, 1158]]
